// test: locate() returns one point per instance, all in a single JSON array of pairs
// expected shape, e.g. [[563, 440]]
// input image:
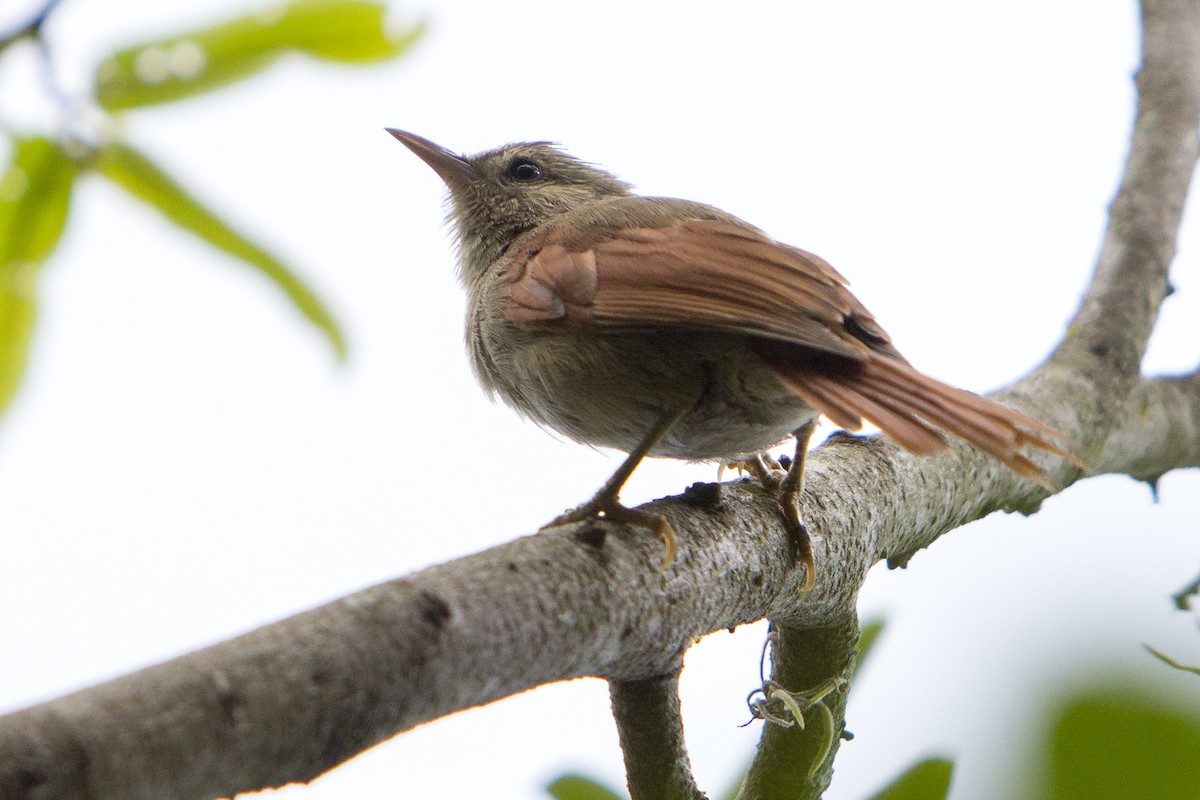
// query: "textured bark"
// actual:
[[291, 700], [648, 721], [793, 762]]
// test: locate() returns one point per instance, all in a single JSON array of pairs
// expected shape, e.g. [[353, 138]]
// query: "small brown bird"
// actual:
[[664, 327]]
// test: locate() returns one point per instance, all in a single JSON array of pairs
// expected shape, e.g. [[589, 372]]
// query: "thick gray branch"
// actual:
[[1110, 330], [294, 699], [1090, 388], [291, 700]]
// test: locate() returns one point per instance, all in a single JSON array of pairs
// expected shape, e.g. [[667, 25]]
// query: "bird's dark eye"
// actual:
[[524, 170]]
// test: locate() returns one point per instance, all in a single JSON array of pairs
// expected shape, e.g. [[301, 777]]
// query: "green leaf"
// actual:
[[347, 31], [925, 780], [577, 787], [143, 179], [1166, 659], [1111, 745], [867, 638], [35, 196]]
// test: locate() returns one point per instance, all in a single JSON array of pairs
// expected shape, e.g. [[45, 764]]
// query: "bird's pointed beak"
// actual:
[[455, 170]]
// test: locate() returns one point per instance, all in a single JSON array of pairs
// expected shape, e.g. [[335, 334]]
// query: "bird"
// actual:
[[664, 327]]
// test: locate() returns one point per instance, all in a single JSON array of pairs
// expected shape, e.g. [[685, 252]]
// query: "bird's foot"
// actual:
[[789, 504], [764, 469], [607, 507], [787, 484]]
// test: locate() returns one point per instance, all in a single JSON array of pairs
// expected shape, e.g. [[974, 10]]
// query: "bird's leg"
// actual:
[[605, 504], [789, 484], [789, 502]]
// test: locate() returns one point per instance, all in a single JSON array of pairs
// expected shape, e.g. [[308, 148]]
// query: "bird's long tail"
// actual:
[[913, 410]]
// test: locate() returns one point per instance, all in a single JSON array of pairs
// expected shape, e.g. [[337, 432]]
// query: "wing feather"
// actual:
[[714, 275], [696, 274]]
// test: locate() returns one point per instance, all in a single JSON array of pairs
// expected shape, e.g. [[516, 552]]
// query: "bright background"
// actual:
[[186, 461]]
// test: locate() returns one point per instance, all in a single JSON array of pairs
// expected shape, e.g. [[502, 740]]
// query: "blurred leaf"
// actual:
[[867, 637], [1114, 747], [577, 787], [925, 780], [348, 31], [1172, 662], [35, 195], [137, 175]]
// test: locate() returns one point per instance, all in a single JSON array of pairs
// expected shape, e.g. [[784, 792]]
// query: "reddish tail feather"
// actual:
[[914, 409]]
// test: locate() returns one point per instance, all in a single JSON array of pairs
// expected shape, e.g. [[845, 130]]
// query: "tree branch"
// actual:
[[30, 29], [1157, 430], [1108, 335], [294, 699], [795, 762], [1090, 387], [651, 730]]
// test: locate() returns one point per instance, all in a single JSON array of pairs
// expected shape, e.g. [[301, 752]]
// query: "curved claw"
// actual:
[[801, 541], [610, 509], [790, 486], [764, 469]]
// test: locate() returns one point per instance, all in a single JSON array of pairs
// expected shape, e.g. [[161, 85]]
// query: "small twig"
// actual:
[[73, 130], [1183, 597], [31, 29]]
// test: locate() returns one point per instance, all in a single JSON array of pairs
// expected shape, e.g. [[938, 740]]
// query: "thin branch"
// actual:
[[1110, 330], [31, 29], [797, 762], [294, 699], [1100, 357], [1183, 598], [651, 730], [74, 130]]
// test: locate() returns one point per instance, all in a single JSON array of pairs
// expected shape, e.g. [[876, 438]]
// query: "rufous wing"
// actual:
[[794, 307], [694, 275]]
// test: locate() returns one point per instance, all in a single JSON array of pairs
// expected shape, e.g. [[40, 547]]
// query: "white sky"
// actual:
[[186, 462]]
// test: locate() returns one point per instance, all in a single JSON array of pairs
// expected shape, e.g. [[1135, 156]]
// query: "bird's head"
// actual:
[[497, 195]]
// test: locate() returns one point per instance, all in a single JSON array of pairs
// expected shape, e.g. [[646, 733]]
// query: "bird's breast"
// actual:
[[611, 390]]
